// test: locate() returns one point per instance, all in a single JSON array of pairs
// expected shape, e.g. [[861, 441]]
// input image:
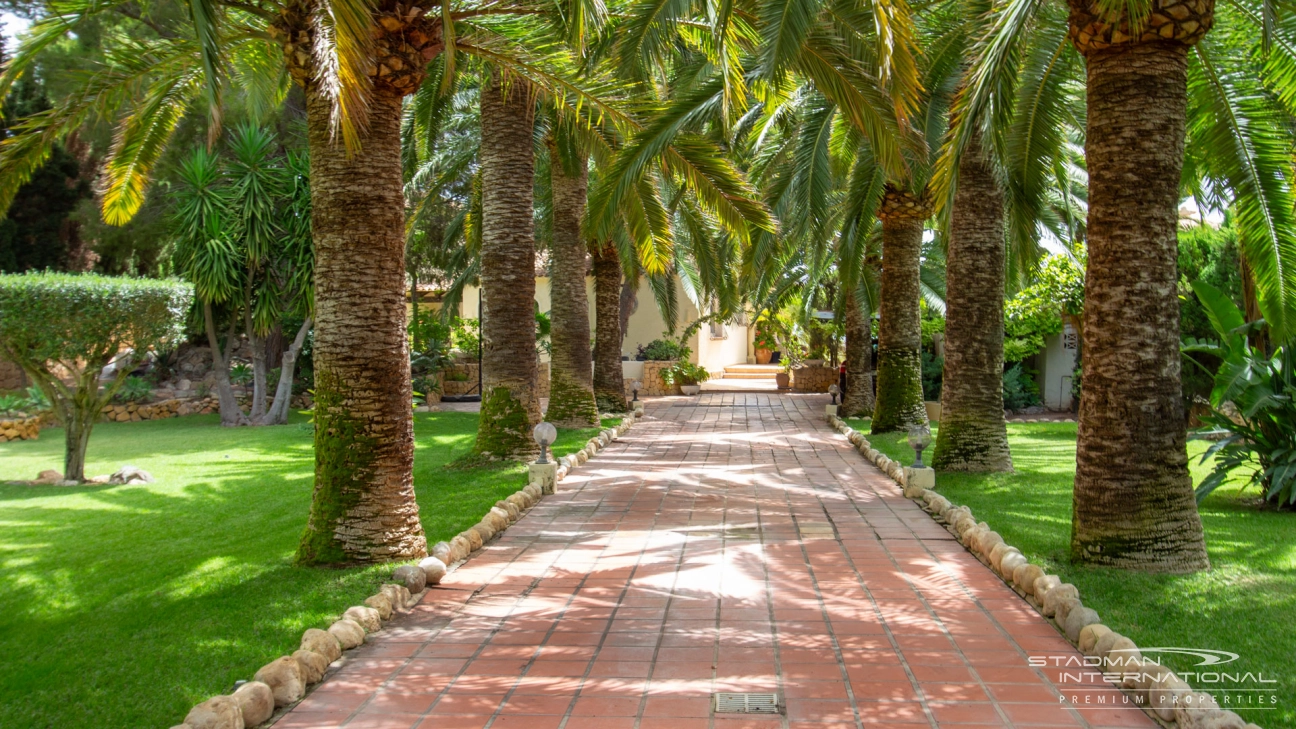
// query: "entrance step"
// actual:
[[751, 372]]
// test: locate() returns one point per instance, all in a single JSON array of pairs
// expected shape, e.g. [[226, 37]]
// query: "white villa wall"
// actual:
[[1056, 368], [647, 324]]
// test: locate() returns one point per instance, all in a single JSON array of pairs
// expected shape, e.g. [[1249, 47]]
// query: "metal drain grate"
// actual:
[[726, 703]]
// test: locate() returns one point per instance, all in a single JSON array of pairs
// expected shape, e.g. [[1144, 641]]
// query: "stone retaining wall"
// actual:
[[652, 381], [135, 412], [813, 379], [469, 369], [27, 428]]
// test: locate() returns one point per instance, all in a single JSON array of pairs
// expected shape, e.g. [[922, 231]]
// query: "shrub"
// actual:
[[134, 389], [684, 373], [1019, 388], [81, 323], [1254, 399], [661, 350], [465, 334], [933, 374]]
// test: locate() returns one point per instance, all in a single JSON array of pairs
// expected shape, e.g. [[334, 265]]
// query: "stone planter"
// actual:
[[690, 389], [813, 378], [763, 356]]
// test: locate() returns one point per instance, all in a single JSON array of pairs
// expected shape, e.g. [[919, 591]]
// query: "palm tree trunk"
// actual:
[[899, 366], [571, 378], [973, 435], [609, 385], [510, 368], [1133, 506], [363, 508], [857, 400]]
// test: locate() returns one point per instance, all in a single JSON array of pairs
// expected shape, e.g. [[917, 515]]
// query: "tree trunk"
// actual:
[[363, 509], [78, 420], [1251, 304], [278, 412], [972, 434], [571, 378], [414, 313], [609, 384], [510, 368], [1133, 506], [899, 366], [857, 400], [259, 376], [231, 415]]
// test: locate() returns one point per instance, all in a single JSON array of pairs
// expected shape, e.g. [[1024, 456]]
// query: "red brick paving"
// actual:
[[731, 542]]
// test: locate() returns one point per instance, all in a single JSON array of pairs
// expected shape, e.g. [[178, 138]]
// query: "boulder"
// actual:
[[987, 542], [49, 477], [349, 633], [1063, 608], [1089, 636], [1043, 584], [441, 550], [129, 475], [411, 577], [997, 552], [581, 457], [382, 604], [218, 712], [323, 643], [1076, 620], [1223, 720], [498, 518], [1049, 602], [460, 548], [1009, 563], [434, 568], [397, 595], [474, 539], [1195, 709], [1025, 575], [256, 702], [313, 665], [1124, 657], [1104, 645], [484, 530], [534, 489], [519, 501], [511, 511], [366, 617], [284, 677]]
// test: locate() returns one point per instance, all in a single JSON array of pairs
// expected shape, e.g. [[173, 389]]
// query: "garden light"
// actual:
[[834, 390], [634, 387], [919, 438], [545, 434]]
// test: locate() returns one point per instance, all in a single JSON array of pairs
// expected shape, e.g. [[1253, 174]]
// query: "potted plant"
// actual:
[[764, 344], [687, 375], [784, 379]]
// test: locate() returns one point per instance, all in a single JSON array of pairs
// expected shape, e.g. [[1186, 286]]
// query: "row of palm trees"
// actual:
[[859, 122]]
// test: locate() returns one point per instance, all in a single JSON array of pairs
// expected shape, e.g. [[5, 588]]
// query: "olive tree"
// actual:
[[65, 329]]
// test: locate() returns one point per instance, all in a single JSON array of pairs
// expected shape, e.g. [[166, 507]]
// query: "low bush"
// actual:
[[661, 350]]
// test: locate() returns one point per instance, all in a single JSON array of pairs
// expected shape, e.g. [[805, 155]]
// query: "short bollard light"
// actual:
[[919, 438], [634, 388], [834, 390], [545, 434]]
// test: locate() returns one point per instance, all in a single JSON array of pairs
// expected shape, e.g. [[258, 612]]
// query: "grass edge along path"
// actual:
[[124, 606], [1245, 603]]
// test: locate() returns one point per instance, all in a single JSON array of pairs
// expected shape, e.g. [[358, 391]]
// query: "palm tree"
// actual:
[[609, 385], [899, 359], [857, 398], [571, 385]]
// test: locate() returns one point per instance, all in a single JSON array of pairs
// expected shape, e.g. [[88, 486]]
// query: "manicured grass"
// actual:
[[1245, 604], [124, 606]]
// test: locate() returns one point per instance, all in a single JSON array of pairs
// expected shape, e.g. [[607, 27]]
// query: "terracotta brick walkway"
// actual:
[[730, 542]]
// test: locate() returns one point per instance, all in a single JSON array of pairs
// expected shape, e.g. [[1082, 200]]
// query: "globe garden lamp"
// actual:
[[545, 434], [834, 390], [634, 387], [919, 438]]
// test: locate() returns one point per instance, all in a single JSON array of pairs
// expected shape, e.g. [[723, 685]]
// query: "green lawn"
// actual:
[[1245, 604], [123, 606]]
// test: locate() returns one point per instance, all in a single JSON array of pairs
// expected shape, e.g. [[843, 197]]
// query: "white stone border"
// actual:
[[1155, 688], [283, 681]]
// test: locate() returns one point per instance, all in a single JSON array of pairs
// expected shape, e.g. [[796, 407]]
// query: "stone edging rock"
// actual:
[[1154, 688], [27, 428], [283, 681]]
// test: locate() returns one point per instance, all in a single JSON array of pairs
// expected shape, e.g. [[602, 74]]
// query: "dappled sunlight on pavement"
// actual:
[[730, 542]]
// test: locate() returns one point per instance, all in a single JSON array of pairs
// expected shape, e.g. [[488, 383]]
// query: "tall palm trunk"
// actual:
[[857, 400], [363, 508], [609, 385], [899, 362], [510, 368], [973, 435], [1133, 506], [571, 378]]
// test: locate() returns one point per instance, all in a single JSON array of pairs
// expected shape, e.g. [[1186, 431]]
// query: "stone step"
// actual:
[[747, 375]]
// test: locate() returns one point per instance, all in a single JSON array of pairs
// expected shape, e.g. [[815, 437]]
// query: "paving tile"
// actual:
[[730, 542]]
